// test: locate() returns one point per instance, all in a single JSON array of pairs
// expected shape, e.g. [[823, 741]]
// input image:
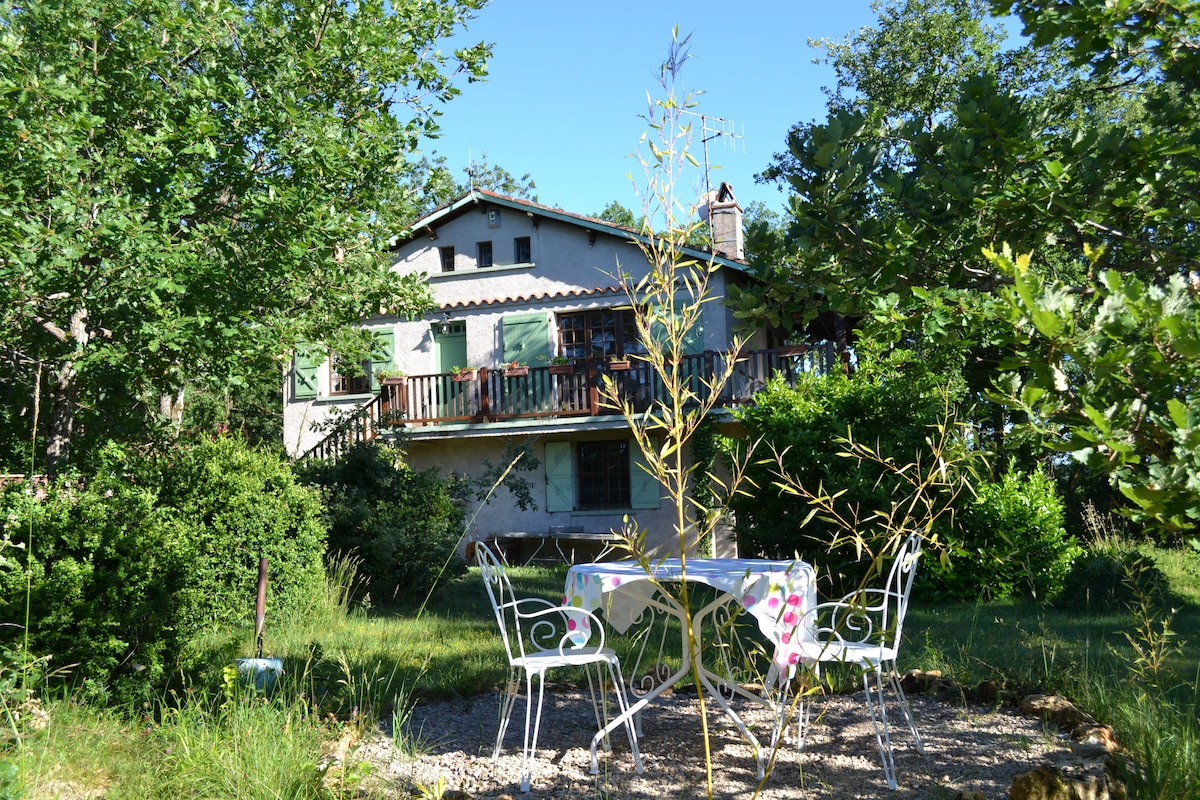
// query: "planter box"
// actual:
[[397, 381], [466, 375], [516, 372], [618, 366], [562, 369]]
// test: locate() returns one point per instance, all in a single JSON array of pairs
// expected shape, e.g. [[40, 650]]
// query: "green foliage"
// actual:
[[1118, 386], [617, 214], [431, 184], [1112, 573], [1082, 138], [404, 526], [102, 565], [1011, 541], [238, 505], [207, 187], [126, 564], [892, 405]]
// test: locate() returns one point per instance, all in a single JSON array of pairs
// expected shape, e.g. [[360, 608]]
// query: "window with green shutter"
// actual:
[[526, 338], [306, 370], [384, 356], [598, 475], [560, 479]]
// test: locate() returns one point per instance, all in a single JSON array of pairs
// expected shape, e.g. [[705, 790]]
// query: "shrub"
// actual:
[[1012, 542], [239, 505], [890, 404], [403, 525], [1111, 574], [126, 564], [103, 568]]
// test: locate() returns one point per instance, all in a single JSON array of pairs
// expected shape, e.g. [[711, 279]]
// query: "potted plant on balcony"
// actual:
[[561, 365], [514, 369], [391, 377], [618, 364], [464, 373]]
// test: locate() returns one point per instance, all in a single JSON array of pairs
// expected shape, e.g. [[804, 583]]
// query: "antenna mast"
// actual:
[[716, 128]]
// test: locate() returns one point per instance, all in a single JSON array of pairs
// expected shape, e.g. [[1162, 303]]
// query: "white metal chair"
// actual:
[[540, 636], [863, 629]]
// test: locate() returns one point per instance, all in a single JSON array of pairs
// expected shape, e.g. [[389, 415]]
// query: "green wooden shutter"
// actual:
[[526, 338], [644, 488], [560, 477], [693, 338], [306, 371], [383, 355]]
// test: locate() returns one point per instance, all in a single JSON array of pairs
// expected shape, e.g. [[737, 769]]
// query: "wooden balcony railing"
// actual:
[[490, 395]]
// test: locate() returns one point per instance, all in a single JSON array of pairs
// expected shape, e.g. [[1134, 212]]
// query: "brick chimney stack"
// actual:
[[724, 217]]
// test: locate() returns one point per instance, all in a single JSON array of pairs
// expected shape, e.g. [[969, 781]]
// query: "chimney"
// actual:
[[724, 217]]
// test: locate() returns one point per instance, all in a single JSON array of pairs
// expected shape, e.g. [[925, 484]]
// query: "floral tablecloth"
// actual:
[[776, 593]]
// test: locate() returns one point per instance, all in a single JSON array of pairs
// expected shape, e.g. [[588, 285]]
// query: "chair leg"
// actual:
[[631, 729], [882, 737], [506, 709], [894, 679], [531, 745], [601, 723]]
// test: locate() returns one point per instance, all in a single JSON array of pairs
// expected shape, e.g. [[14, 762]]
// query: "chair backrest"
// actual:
[[870, 616], [504, 602], [899, 585]]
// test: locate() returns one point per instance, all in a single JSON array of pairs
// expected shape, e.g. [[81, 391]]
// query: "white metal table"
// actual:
[[775, 593]]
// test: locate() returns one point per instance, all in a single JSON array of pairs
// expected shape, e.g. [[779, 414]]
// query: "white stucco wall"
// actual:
[[571, 269], [502, 515]]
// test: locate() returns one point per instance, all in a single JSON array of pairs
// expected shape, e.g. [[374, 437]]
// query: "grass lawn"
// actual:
[[346, 668]]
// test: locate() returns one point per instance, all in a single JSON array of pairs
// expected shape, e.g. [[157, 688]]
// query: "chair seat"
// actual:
[[575, 657], [847, 653]]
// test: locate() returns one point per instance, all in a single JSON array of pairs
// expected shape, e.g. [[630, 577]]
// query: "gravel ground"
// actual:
[[967, 749]]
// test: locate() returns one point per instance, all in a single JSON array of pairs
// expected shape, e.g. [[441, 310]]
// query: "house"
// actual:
[[524, 285]]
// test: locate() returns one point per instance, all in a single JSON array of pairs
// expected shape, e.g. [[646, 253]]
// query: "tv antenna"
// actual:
[[717, 128]]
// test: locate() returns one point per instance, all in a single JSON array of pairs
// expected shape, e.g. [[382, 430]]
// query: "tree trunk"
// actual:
[[64, 396], [171, 407]]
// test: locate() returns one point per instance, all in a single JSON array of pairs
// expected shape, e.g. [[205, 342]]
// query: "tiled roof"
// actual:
[[599, 291]]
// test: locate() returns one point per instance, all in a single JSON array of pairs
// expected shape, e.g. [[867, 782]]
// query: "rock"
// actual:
[[1043, 783], [1094, 741], [1050, 783], [930, 682], [987, 693], [969, 796], [917, 681], [1059, 710]]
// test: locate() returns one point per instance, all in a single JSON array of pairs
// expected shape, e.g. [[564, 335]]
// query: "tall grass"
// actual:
[[347, 668]]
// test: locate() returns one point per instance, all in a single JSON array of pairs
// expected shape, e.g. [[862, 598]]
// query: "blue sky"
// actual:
[[568, 83]]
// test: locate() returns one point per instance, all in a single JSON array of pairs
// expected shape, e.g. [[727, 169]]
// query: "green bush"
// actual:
[[1011, 540], [103, 566], [1111, 574], [404, 525], [239, 505], [890, 404], [126, 564]]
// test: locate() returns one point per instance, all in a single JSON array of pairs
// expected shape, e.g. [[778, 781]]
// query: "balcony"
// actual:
[[559, 392]]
